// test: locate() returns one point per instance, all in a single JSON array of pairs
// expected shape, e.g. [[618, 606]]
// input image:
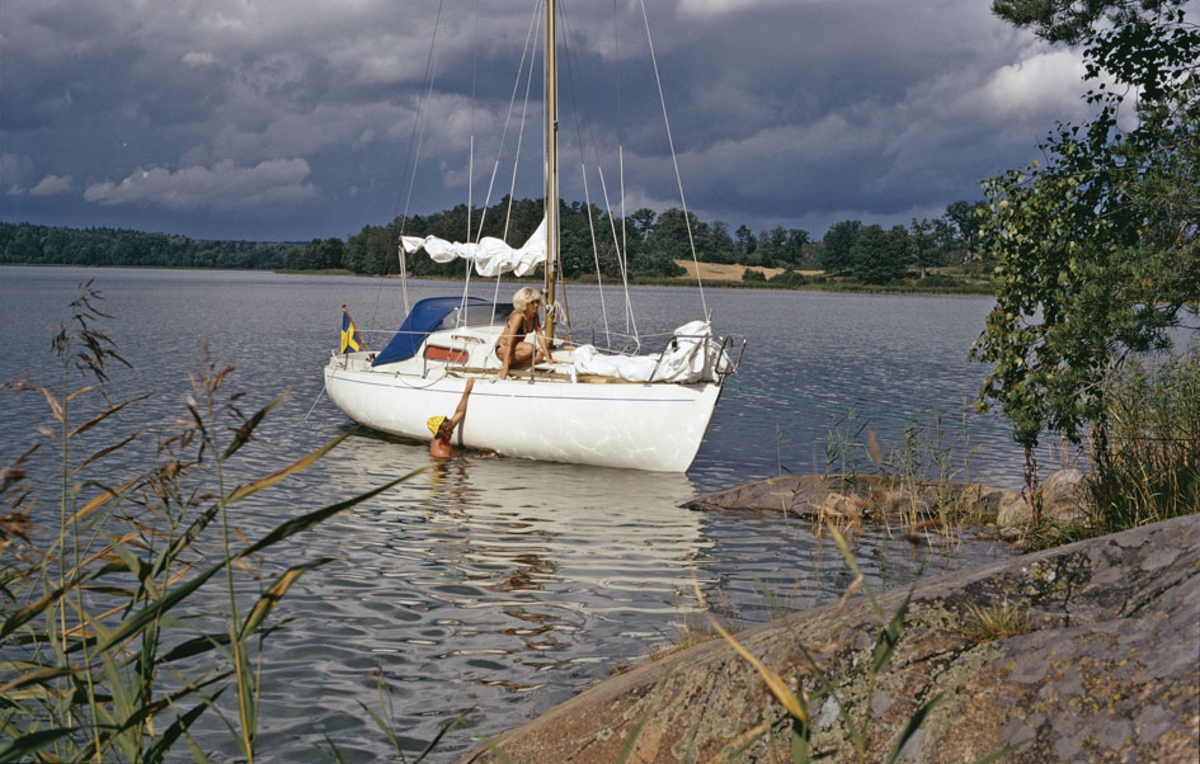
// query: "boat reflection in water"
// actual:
[[496, 577], [592, 526]]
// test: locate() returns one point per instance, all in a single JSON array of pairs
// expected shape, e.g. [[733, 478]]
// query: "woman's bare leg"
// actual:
[[521, 357]]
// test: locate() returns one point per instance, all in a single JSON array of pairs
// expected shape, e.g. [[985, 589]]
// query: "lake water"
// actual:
[[498, 588]]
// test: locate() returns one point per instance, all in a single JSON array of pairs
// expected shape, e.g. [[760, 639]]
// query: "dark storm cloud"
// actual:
[[290, 120]]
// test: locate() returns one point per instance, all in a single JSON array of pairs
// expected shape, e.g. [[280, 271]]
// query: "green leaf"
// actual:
[[34, 609], [889, 637], [453, 724], [182, 591], [910, 729], [158, 752], [631, 739], [300, 465], [23, 748], [267, 602], [196, 646], [242, 435], [489, 746], [304, 522]]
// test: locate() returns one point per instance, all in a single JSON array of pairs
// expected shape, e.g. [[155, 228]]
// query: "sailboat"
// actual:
[[583, 405]]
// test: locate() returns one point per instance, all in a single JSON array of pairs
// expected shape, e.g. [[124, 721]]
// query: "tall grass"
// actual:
[[1146, 457], [917, 479], [113, 642], [856, 721]]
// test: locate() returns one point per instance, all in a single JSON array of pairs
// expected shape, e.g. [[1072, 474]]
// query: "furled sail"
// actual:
[[490, 255], [685, 360]]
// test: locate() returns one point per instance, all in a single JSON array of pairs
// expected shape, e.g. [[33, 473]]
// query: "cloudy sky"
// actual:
[[295, 119]]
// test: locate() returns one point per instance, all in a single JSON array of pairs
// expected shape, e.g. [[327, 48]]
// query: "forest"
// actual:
[[28, 244], [647, 243], [652, 242]]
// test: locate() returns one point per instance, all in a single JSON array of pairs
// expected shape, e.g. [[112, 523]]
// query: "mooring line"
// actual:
[[315, 402]]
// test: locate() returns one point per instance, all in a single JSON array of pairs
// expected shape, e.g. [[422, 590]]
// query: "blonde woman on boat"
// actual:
[[513, 350]]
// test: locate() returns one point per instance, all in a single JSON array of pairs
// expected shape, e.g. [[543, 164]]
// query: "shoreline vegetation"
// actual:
[[657, 248], [942, 281], [958, 284], [939, 281]]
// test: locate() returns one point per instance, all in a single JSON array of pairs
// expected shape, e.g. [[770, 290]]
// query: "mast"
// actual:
[[551, 170]]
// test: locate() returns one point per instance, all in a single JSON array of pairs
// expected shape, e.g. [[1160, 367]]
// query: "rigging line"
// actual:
[[617, 68], [623, 263], [596, 255], [474, 90], [487, 198], [625, 241], [576, 110], [461, 318], [620, 241], [527, 55], [418, 132], [496, 299], [471, 181], [675, 161], [412, 158], [404, 199], [563, 317], [403, 281]]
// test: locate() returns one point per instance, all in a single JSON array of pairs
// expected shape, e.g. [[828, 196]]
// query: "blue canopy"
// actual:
[[426, 316]]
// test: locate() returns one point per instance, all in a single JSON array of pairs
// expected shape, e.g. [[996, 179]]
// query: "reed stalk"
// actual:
[[102, 659], [797, 702], [917, 480], [1145, 455]]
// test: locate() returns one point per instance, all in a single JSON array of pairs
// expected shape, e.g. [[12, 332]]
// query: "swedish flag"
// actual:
[[352, 341]]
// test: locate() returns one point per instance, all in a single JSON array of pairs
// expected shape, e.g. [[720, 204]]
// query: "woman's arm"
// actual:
[[541, 341]]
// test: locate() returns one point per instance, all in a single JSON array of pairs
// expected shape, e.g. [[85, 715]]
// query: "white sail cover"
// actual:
[[491, 256], [685, 360]]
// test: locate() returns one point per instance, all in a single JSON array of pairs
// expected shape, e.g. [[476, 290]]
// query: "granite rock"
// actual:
[[1088, 652]]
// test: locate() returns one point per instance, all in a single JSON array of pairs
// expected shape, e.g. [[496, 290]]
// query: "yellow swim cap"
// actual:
[[434, 422]]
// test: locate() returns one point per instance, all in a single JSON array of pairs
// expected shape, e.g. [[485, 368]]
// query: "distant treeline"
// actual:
[[651, 242], [647, 243], [25, 243]]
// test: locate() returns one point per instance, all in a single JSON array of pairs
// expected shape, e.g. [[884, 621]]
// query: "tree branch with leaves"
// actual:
[[1097, 248]]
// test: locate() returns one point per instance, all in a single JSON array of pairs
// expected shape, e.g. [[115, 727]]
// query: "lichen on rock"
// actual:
[[1107, 671]]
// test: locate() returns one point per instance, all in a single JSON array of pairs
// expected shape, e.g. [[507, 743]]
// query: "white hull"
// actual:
[[657, 427]]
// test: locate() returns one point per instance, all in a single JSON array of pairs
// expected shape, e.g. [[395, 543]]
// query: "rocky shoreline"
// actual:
[[1097, 659], [861, 498]]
